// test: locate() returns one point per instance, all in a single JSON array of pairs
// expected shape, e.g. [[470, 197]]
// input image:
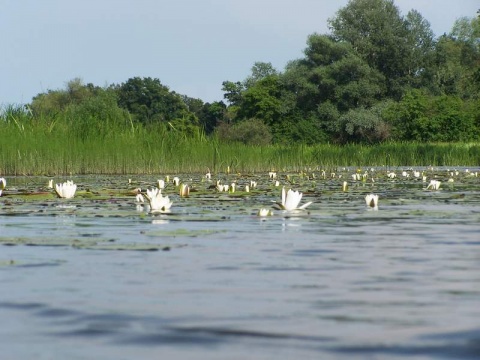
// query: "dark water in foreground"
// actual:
[[337, 282]]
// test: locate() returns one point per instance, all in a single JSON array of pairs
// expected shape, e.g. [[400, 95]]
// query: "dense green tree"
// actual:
[[332, 79], [421, 45], [457, 68], [379, 34], [260, 70], [364, 125], [248, 131], [211, 115], [97, 115], [53, 102], [149, 101], [262, 100], [423, 117], [233, 92]]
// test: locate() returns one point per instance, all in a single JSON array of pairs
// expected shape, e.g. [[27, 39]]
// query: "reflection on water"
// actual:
[[336, 282]]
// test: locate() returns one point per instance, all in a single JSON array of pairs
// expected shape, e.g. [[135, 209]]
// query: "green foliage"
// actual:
[[97, 116], [363, 125], [250, 132], [53, 102], [148, 101], [233, 92], [212, 115], [262, 100], [377, 32], [424, 117], [379, 76], [299, 131]]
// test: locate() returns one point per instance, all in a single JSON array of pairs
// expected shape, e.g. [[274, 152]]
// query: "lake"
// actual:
[[99, 276]]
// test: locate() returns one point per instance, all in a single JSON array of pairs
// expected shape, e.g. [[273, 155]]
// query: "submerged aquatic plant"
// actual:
[[66, 190], [3, 184], [157, 201], [290, 200], [372, 200]]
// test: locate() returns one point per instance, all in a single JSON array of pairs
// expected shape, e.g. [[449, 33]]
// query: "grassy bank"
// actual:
[[54, 147]]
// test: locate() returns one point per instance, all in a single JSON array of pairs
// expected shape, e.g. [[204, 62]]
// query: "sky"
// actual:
[[191, 46]]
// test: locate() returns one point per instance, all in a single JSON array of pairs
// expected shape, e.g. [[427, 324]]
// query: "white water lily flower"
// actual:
[[253, 184], [434, 185], [3, 184], [345, 186], [161, 184], [176, 181], [157, 201], [272, 175], [290, 200], [208, 175], [372, 200], [66, 190], [184, 190], [247, 188], [391, 175], [50, 184], [139, 198], [277, 183], [264, 212]]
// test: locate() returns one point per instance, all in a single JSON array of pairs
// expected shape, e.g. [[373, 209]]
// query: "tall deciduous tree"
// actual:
[[421, 45], [379, 35], [149, 101]]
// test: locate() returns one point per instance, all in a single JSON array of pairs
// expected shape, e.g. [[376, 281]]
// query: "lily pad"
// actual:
[[12, 241], [129, 247], [183, 233]]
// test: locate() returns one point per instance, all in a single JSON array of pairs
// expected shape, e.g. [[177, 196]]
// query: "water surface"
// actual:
[[98, 276]]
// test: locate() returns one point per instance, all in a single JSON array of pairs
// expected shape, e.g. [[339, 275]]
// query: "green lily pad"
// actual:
[[129, 247], [12, 241], [182, 232]]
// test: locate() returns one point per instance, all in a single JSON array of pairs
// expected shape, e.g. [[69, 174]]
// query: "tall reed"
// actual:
[[59, 145]]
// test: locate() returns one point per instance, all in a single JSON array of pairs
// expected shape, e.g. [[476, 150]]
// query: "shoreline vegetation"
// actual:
[[378, 90], [38, 149]]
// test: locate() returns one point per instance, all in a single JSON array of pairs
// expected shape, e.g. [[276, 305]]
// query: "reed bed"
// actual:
[[31, 146]]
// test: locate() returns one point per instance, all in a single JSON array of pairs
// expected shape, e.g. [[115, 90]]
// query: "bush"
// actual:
[[249, 132]]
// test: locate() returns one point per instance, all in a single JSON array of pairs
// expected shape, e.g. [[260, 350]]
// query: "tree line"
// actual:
[[376, 76]]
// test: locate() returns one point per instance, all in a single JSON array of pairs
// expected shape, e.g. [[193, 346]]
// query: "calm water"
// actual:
[[338, 281]]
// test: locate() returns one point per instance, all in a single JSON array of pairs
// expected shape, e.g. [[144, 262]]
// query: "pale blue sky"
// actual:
[[192, 46]]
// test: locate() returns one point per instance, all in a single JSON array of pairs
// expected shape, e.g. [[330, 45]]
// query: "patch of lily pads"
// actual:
[[85, 244], [183, 233], [338, 193]]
